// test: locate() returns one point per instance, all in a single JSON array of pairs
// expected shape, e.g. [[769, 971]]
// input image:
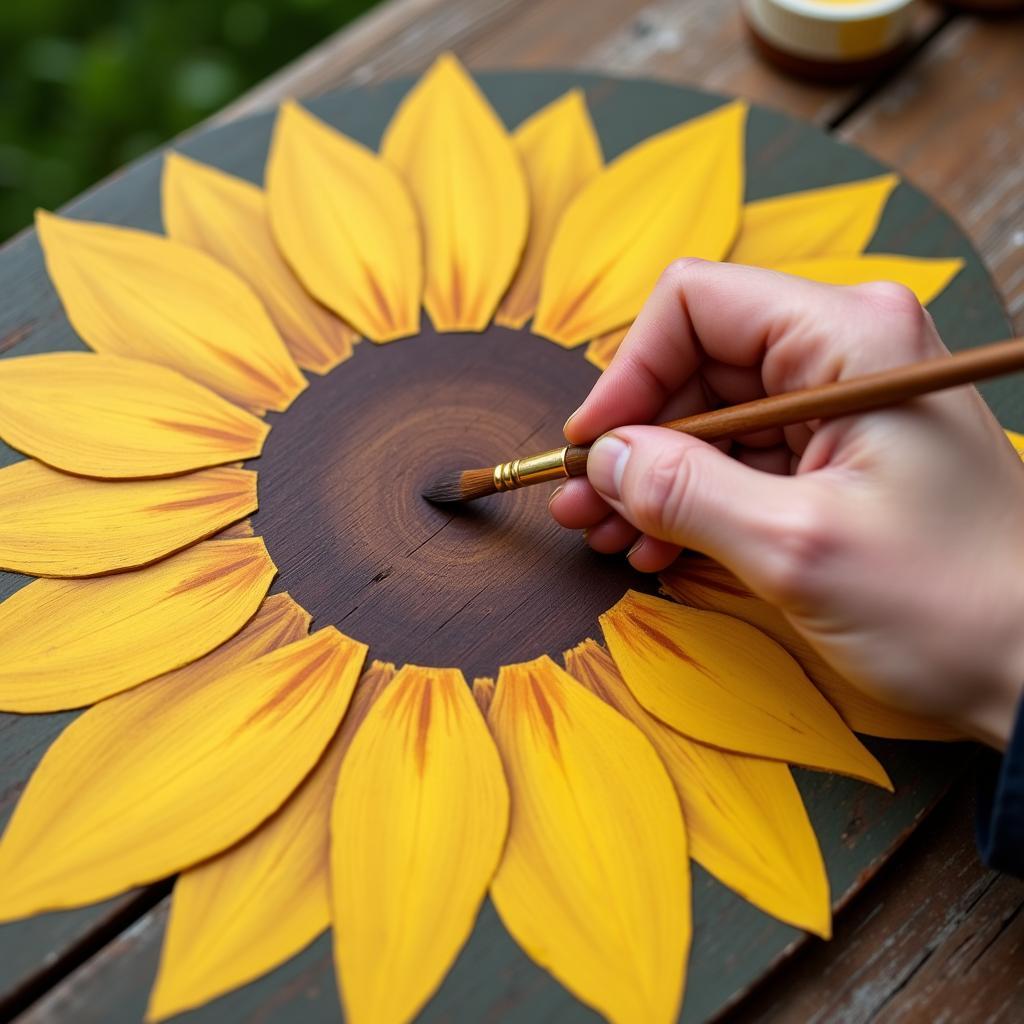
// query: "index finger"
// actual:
[[727, 312]]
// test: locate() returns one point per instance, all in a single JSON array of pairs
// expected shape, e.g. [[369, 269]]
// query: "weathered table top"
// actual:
[[934, 936]]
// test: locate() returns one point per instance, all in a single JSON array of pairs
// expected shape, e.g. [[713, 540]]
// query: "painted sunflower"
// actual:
[[290, 786]]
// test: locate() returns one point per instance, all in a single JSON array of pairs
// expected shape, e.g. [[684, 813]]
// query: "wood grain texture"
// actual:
[[473, 587], [953, 123], [936, 938], [696, 42]]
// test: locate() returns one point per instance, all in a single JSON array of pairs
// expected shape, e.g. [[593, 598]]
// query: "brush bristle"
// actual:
[[468, 485]]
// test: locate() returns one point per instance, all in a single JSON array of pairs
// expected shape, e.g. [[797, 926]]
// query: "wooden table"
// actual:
[[935, 936]]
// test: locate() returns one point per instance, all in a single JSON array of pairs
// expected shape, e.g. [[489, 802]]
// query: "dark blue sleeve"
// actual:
[[1001, 805]]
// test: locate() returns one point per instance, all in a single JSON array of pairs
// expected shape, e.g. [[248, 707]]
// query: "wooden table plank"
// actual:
[[953, 123], [698, 42], [936, 937]]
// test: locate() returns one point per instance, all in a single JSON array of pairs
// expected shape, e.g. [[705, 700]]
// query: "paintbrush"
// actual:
[[827, 401]]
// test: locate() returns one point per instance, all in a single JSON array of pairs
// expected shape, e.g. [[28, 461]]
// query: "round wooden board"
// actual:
[[734, 944]]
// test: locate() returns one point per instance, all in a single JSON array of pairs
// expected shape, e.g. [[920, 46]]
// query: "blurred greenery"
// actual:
[[87, 86]]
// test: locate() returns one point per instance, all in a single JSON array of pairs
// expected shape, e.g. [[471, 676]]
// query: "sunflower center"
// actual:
[[474, 587]]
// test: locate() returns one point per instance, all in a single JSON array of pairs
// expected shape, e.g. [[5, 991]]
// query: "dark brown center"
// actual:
[[473, 587]]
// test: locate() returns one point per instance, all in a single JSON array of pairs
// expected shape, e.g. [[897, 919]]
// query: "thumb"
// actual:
[[689, 493]]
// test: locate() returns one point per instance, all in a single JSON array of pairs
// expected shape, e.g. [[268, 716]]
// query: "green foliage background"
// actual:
[[86, 85]]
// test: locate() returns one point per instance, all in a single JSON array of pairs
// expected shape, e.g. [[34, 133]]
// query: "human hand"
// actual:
[[891, 540]]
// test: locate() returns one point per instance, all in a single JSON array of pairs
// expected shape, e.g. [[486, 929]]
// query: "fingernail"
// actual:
[[565, 425], [607, 463], [636, 547], [555, 493]]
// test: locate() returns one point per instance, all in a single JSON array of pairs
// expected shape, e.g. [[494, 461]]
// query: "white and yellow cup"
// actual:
[[830, 32]]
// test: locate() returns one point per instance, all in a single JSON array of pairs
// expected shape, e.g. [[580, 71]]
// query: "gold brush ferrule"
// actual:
[[534, 469]]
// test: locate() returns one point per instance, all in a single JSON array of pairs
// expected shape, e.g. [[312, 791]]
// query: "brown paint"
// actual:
[[246, 368], [540, 700], [423, 722], [202, 500], [211, 433], [287, 695], [702, 572], [217, 572], [340, 508], [637, 627], [379, 298]]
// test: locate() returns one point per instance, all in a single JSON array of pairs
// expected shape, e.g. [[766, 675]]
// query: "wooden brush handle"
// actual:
[[841, 397]]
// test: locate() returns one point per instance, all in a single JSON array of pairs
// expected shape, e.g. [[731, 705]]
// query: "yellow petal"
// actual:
[[468, 183], [601, 351], [719, 680], [676, 194], [227, 218], [560, 153], [52, 524], [924, 277], [347, 225], [242, 529], [835, 221], [417, 829], [594, 883], [68, 643], [252, 907], [1017, 440], [745, 820], [132, 293], [702, 583], [140, 787], [109, 417], [483, 693]]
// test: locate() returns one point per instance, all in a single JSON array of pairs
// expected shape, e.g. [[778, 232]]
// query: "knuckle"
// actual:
[[915, 336], [894, 298], [680, 269], [660, 505]]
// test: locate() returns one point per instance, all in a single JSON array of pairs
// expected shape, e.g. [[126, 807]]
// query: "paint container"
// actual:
[[830, 40]]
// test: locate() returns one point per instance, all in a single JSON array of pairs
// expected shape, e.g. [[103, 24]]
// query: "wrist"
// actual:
[[992, 716]]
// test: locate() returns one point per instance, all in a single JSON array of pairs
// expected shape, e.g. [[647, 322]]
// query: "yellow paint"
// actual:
[[483, 693], [722, 682], [702, 583], [134, 294], [53, 524], [594, 883], [102, 815], [104, 416], [926, 278], [676, 194], [560, 153], [68, 643], [417, 829], [240, 914], [469, 186], [1017, 440], [745, 820], [838, 220], [227, 218], [347, 225]]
